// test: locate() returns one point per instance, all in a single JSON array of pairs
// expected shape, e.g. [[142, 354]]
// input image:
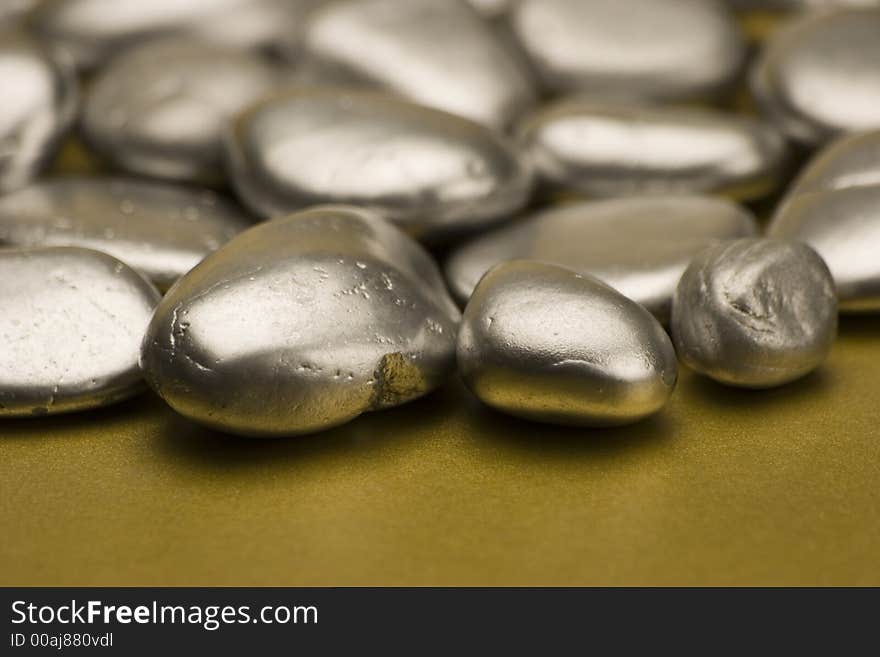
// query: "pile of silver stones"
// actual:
[[305, 210]]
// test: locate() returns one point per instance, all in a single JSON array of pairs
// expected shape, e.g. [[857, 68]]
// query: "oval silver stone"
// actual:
[[545, 343], [159, 109], [430, 172], [39, 97], [658, 49], [72, 322], [301, 324], [639, 246], [161, 230], [755, 313], [819, 75], [439, 54], [618, 149]]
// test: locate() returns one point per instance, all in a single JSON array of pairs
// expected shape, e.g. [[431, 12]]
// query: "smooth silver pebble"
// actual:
[[161, 230], [624, 148], [39, 99], [657, 49], [159, 109], [545, 343], [819, 76], [301, 324], [437, 53], [639, 246], [755, 313], [430, 172], [71, 322]]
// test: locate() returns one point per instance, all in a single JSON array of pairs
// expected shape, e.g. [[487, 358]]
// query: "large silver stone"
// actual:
[[755, 313], [301, 324], [639, 246], [548, 344], [161, 230], [71, 322], [159, 109], [622, 148], [430, 172]]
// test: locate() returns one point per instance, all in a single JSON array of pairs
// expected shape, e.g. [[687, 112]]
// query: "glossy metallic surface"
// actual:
[[38, 95], [661, 49], [436, 52], [848, 161], [301, 324], [620, 149], [819, 75], [545, 343], [639, 246], [755, 313], [428, 171], [92, 30], [159, 229], [159, 109], [71, 321]]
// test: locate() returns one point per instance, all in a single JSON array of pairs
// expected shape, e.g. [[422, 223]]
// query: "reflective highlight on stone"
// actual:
[[301, 324], [545, 343], [659, 49], [755, 313], [639, 246], [819, 76], [159, 109], [161, 230], [430, 172], [71, 322], [619, 149]]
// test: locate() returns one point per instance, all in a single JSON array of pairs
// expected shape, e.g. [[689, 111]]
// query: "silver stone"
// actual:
[[755, 313], [659, 49], [438, 53], [159, 108], [639, 246], [548, 344], [72, 322], [618, 149], [819, 76], [428, 171], [301, 324], [39, 95], [159, 229]]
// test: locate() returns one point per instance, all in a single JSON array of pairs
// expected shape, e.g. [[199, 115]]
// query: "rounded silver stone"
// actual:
[[301, 324], [430, 172], [159, 109], [38, 96], [819, 76], [659, 49], [624, 148], [755, 313], [639, 246], [545, 343], [71, 321], [440, 54], [161, 230]]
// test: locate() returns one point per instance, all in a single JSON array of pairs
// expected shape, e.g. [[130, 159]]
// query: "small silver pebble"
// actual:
[[639, 246], [301, 324], [161, 230], [39, 99], [440, 54], [545, 343], [430, 172], [819, 76], [159, 108], [658, 49], [72, 322], [755, 313], [624, 148]]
